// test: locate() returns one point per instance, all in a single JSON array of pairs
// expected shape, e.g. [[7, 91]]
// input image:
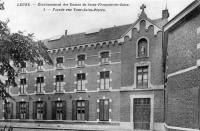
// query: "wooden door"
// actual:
[[141, 113]]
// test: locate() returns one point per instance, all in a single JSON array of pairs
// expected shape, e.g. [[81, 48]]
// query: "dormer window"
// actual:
[[59, 62], [40, 65], [104, 57], [81, 60], [142, 48]]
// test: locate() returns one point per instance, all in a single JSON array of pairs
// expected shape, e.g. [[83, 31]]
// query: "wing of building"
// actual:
[[182, 61], [105, 79]]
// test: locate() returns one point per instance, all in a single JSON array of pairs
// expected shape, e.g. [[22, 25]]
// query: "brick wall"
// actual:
[[126, 103], [129, 60], [182, 100], [183, 89], [91, 69], [155, 56], [182, 44]]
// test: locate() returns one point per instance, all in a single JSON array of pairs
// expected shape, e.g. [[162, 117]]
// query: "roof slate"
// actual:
[[106, 34]]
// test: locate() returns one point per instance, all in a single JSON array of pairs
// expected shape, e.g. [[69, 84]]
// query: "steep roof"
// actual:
[[107, 34], [111, 33], [182, 14]]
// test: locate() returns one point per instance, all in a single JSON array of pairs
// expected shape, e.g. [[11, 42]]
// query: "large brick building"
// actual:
[[182, 41], [107, 79]]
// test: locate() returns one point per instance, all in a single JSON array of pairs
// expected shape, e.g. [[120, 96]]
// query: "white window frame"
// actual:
[[59, 65], [82, 62], [139, 64], [106, 60]]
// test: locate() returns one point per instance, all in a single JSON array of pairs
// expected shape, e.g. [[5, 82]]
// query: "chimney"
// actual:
[[65, 32], [165, 14]]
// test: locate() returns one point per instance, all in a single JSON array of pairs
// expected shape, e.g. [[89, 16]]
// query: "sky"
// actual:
[[49, 23]]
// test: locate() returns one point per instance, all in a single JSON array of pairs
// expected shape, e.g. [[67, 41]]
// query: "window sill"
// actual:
[[80, 66], [142, 57], [104, 90], [59, 68], [59, 92], [39, 93], [105, 63], [81, 91], [23, 72], [22, 94], [42, 70]]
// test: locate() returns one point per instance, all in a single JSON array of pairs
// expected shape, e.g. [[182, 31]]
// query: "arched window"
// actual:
[[142, 48]]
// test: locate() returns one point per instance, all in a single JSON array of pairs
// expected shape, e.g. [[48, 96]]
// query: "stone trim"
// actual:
[[180, 128], [147, 46], [140, 64], [151, 96], [181, 71]]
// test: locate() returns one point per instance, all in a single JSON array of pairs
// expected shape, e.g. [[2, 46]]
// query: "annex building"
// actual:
[[108, 79], [182, 62]]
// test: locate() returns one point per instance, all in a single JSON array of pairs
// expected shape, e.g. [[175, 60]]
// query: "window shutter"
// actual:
[[38, 80], [42, 79], [17, 110], [34, 109], [106, 110], [83, 76], [74, 110], [107, 74], [61, 78], [44, 110], [101, 110], [78, 76], [11, 110], [5, 110], [57, 78], [23, 65], [64, 110], [27, 110], [86, 110], [53, 111]]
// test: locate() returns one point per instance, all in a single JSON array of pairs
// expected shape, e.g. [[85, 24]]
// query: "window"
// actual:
[[59, 62], [40, 65], [22, 86], [59, 83], [104, 109], [22, 110], [80, 110], [23, 67], [142, 49], [81, 60], [7, 86], [58, 110], [142, 77], [104, 57], [39, 111], [8, 108], [39, 83], [81, 78], [104, 80]]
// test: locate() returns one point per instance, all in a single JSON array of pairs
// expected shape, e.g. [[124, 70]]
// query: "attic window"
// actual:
[[92, 31]]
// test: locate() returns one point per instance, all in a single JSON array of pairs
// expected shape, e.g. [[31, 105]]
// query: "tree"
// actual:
[[15, 49]]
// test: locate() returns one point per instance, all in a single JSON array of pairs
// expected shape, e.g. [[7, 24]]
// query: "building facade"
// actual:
[[107, 79], [182, 38]]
